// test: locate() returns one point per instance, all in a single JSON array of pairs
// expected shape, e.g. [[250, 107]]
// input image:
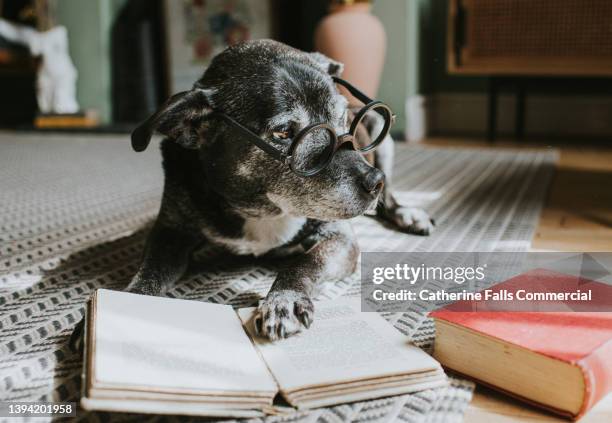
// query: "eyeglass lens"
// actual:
[[315, 147], [375, 124], [313, 150]]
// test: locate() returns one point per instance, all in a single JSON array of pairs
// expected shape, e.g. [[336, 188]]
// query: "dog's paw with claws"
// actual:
[[413, 220], [283, 313]]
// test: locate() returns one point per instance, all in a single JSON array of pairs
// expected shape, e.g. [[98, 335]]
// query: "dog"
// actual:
[[223, 191]]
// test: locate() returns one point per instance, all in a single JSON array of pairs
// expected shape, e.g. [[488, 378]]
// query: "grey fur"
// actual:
[[225, 191]]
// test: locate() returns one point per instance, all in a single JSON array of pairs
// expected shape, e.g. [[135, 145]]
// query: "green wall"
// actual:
[[89, 25], [395, 79], [416, 53]]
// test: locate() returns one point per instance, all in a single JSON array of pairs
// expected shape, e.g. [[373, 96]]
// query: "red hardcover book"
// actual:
[[561, 361]]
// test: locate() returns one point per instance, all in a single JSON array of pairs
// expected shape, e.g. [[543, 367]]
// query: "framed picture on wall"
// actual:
[[196, 30]]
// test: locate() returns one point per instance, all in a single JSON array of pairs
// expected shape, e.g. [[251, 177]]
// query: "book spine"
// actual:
[[85, 374], [597, 370]]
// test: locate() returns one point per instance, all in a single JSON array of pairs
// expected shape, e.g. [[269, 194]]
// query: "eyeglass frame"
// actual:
[[340, 140]]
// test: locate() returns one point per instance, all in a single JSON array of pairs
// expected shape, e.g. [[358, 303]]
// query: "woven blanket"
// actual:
[[74, 213]]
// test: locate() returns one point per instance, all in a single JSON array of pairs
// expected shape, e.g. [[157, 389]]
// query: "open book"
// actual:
[[169, 356]]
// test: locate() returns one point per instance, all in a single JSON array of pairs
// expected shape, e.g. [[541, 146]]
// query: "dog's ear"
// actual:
[[180, 118], [327, 64]]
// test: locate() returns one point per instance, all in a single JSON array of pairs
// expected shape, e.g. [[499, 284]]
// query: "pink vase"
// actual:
[[352, 35]]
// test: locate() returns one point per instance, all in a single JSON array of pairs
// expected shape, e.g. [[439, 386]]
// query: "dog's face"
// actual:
[[275, 91]]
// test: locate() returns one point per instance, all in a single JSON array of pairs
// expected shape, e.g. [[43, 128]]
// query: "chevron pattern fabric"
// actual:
[[74, 212]]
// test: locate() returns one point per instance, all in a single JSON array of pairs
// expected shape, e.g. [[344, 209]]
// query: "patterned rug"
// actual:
[[74, 212]]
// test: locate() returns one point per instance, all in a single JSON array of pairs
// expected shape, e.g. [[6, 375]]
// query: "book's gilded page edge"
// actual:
[[436, 380], [152, 396], [406, 376], [497, 340], [365, 395], [167, 408], [183, 393]]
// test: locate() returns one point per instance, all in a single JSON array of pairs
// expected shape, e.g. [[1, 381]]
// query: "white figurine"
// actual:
[[56, 80]]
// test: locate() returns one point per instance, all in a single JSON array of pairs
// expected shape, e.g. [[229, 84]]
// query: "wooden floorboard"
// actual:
[[577, 216]]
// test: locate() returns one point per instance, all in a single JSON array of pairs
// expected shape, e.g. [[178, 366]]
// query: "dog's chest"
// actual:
[[264, 234]]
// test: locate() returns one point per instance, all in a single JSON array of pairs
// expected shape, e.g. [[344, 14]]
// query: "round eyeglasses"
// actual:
[[313, 148]]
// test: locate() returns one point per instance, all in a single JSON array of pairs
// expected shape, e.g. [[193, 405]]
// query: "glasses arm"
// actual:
[[252, 137], [355, 92]]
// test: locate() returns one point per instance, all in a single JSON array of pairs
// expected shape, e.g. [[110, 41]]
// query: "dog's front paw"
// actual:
[[283, 313], [413, 220]]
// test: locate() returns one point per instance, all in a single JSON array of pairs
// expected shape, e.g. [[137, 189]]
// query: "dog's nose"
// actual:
[[373, 181]]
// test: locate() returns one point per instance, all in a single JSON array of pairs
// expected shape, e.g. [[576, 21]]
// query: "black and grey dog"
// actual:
[[223, 190]]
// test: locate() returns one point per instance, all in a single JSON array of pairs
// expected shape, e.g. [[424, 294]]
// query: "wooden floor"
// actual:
[[577, 216]]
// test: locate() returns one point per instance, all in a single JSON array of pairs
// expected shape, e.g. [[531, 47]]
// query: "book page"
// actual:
[[342, 344], [171, 345]]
